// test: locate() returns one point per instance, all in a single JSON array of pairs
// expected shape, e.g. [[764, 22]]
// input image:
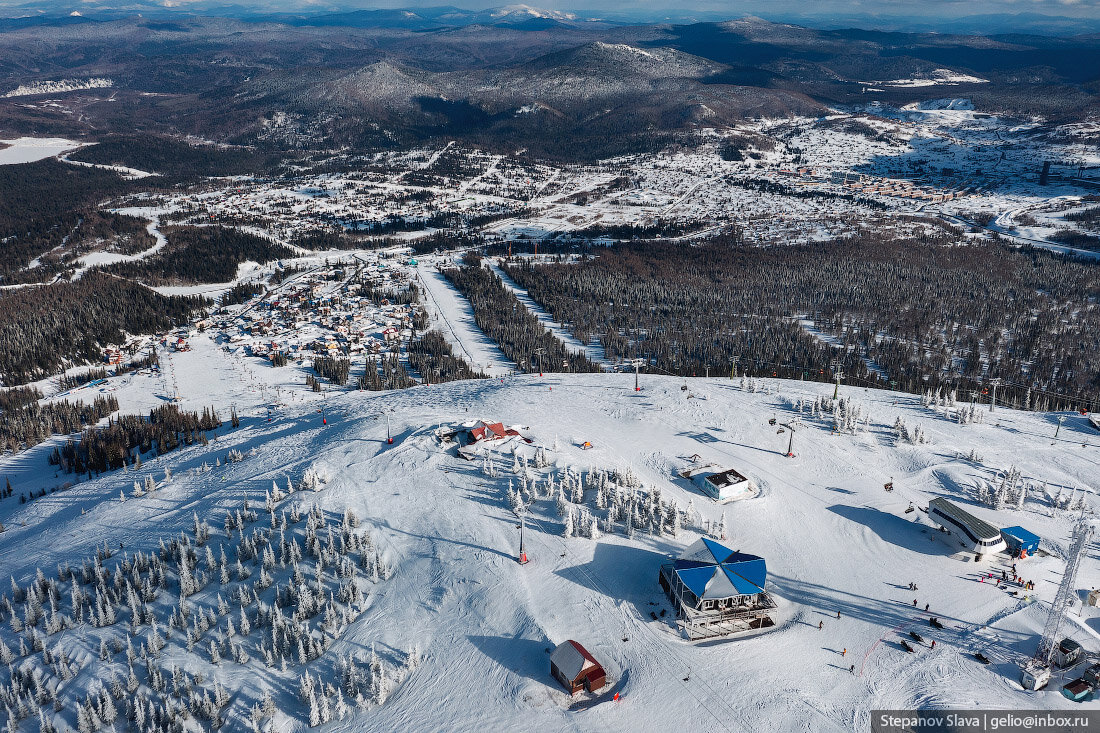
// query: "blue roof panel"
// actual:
[[718, 550], [696, 579], [747, 577], [684, 564], [1021, 534]]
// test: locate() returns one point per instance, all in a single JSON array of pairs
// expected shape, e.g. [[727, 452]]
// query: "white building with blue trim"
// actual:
[[717, 591]]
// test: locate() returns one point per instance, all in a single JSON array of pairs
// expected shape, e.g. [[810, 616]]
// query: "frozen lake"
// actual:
[[30, 149]]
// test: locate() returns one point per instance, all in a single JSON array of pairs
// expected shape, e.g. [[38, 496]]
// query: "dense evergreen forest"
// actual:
[[111, 447], [42, 203], [200, 255], [320, 239], [43, 326], [25, 423], [242, 293], [173, 159], [432, 357], [385, 372], [335, 369], [505, 320], [1089, 218], [907, 312], [1076, 239], [79, 379]]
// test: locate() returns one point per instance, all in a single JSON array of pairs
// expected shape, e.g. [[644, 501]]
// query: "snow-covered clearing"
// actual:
[[834, 541], [936, 78], [59, 86], [130, 173]]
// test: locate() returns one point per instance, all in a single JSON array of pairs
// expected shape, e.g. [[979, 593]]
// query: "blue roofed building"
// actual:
[[1019, 540], [717, 591]]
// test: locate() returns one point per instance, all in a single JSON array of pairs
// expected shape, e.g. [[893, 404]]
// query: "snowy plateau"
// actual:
[[300, 570]]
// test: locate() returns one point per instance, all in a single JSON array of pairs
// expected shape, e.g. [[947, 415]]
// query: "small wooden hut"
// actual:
[[575, 668]]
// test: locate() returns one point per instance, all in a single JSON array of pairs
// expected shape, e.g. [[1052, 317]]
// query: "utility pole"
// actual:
[[993, 396], [790, 443], [522, 546], [389, 435], [838, 374], [733, 370], [538, 354], [1061, 419], [637, 366]]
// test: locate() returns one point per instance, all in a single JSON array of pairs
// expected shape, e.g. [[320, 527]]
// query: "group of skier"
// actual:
[[1025, 584]]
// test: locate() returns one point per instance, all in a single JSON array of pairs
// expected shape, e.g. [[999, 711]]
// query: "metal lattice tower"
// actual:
[[1082, 534]]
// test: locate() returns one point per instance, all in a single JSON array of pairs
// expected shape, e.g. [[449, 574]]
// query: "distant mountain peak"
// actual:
[[519, 10]]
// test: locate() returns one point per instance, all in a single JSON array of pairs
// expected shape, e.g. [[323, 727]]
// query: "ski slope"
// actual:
[[833, 539], [593, 351], [453, 316]]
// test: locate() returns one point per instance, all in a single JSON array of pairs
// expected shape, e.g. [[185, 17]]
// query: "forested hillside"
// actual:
[[909, 312], [200, 255], [516, 330], [173, 159], [76, 320], [42, 203]]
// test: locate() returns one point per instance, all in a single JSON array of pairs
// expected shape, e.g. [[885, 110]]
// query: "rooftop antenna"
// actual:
[[1036, 671]]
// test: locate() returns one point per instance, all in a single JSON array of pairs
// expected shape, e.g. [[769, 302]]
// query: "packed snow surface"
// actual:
[[841, 552]]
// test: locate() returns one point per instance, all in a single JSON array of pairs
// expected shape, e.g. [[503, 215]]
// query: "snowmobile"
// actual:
[[906, 647], [916, 637], [911, 508]]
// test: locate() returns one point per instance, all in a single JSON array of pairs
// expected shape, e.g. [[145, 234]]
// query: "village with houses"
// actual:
[[911, 170]]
